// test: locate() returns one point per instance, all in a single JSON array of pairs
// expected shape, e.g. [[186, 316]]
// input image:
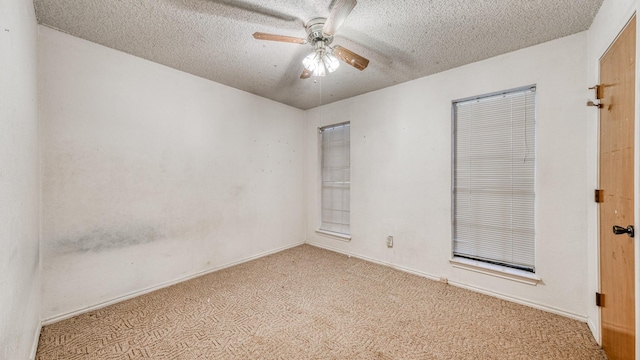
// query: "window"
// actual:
[[335, 173], [494, 178]]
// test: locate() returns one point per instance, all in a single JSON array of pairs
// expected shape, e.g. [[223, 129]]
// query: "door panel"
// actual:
[[617, 117]]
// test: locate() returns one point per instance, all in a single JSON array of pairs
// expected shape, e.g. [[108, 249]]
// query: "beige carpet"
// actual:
[[309, 303]]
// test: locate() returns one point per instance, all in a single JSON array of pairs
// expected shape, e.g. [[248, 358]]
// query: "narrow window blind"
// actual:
[[494, 179], [336, 178]]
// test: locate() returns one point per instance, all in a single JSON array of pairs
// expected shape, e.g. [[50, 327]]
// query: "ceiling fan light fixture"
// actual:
[[320, 61], [311, 61], [320, 70], [331, 62]]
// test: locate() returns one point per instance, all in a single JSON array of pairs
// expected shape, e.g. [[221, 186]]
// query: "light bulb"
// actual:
[[331, 62], [310, 63], [320, 70]]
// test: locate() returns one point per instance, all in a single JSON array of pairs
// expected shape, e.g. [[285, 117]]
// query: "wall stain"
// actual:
[[103, 239]]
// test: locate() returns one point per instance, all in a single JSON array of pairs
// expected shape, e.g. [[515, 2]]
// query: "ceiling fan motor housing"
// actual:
[[315, 34]]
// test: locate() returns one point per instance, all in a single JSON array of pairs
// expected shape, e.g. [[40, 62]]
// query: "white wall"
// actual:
[[609, 21], [401, 172], [19, 181], [124, 211], [152, 175]]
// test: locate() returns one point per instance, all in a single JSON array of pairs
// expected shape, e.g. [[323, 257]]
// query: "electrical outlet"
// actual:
[[389, 241]]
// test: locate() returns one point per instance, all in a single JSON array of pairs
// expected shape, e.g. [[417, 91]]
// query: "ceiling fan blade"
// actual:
[[282, 38], [305, 74], [339, 13], [238, 9], [351, 58]]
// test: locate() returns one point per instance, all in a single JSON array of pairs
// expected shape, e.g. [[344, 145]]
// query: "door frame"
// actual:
[[636, 176], [602, 44]]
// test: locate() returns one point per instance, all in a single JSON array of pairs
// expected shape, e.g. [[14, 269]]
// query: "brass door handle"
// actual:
[[618, 230]]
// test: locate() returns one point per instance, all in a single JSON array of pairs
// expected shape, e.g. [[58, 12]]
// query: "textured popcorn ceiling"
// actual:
[[404, 40]]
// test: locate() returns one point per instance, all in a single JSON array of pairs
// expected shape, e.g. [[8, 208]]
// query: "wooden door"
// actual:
[[617, 116]]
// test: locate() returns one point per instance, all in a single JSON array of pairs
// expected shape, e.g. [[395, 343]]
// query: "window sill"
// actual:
[[504, 272], [334, 235]]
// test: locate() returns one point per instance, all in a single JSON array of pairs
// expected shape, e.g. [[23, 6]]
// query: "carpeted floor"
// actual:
[[309, 303]]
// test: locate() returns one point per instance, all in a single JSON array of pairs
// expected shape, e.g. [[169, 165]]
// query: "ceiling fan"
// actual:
[[320, 33]]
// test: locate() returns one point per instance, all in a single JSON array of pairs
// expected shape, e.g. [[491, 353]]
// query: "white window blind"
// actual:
[[494, 179], [336, 178]]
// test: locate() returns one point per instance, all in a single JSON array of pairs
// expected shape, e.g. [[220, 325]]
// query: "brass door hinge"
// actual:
[[596, 89], [599, 195], [599, 299]]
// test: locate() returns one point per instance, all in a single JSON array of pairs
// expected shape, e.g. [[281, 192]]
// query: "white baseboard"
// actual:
[[375, 261], [495, 294], [521, 301], [36, 339], [133, 294]]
